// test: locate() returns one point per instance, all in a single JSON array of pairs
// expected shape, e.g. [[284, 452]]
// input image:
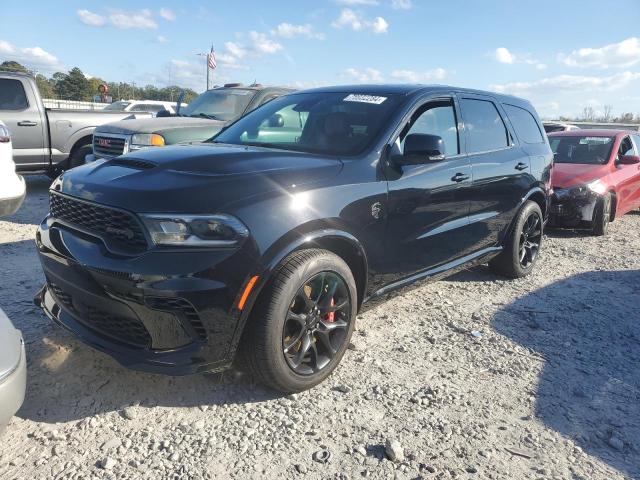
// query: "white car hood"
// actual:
[[10, 346]]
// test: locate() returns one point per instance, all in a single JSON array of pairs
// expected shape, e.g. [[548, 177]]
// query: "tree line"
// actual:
[[74, 85], [589, 114]]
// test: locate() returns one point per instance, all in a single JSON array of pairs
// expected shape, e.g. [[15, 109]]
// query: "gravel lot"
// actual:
[[473, 377]]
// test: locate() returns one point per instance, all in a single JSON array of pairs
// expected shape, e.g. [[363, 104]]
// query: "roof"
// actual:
[[408, 89], [589, 132]]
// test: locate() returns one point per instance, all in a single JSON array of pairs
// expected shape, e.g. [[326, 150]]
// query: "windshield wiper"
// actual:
[[206, 115]]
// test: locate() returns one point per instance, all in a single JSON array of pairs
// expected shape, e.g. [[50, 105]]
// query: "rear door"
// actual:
[[427, 204], [20, 111], [500, 168]]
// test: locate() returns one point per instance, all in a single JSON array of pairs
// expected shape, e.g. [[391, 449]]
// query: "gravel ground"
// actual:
[[472, 377]]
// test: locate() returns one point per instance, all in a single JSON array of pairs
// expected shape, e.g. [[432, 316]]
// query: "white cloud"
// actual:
[[368, 75], [288, 30], [353, 3], [167, 14], [261, 43], [161, 39], [410, 76], [90, 18], [401, 4], [569, 83], [6, 48], [503, 55], [35, 58], [142, 19], [623, 54], [235, 49], [350, 19]]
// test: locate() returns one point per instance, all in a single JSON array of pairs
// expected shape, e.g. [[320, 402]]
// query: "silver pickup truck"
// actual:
[[47, 139]]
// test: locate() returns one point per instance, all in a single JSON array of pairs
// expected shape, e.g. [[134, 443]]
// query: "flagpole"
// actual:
[[206, 65]]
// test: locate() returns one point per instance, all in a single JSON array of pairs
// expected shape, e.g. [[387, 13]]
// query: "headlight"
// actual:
[[597, 186], [195, 230], [141, 140]]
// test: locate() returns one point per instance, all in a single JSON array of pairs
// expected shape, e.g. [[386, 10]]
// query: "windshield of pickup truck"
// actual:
[[581, 149], [327, 123], [117, 106], [219, 104]]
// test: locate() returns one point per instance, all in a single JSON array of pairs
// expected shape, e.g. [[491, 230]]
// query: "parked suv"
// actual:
[[263, 244], [205, 116]]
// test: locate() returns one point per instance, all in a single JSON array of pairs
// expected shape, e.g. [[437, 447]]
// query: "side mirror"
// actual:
[[276, 121], [629, 159], [421, 148]]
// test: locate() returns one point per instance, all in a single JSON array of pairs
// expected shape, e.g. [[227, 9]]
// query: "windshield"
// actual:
[[117, 106], [219, 104], [581, 149], [326, 123]]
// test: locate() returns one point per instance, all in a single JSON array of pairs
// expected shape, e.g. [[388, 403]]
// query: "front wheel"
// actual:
[[302, 323], [523, 246], [77, 157], [601, 216]]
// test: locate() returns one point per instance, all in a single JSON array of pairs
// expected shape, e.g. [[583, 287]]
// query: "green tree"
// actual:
[[45, 86], [74, 86], [11, 66]]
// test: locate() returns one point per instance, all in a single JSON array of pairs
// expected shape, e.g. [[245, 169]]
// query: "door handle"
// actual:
[[27, 123], [522, 166], [459, 177]]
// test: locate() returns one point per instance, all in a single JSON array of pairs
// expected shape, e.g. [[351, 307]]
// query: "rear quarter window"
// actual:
[[524, 123]]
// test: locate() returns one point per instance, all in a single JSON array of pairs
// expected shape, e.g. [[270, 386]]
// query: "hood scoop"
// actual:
[[133, 163]]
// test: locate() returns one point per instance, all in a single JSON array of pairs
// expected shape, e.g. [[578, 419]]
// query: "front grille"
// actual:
[[108, 147], [179, 305], [124, 330], [119, 229]]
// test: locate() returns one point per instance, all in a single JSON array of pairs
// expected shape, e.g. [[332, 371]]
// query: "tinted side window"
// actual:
[[436, 119], [485, 128], [626, 147], [524, 123], [12, 95]]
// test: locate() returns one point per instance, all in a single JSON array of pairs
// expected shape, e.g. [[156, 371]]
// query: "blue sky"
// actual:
[[563, 55]]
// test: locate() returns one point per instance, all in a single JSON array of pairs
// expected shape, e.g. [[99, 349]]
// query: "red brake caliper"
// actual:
[[331, 316]]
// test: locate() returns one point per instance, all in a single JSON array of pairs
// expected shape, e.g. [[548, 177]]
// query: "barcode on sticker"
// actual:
[[354, 97]]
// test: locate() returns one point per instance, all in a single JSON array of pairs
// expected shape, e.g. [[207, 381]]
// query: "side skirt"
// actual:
[[440, 272]]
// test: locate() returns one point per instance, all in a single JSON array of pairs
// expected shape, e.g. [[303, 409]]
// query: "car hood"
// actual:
[[10, 346], [567, 175], [157, 125], [200, 178]]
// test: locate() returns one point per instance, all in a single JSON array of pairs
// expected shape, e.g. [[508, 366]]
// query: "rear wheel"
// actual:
[[602, 216], [301, 325], [521, 250]]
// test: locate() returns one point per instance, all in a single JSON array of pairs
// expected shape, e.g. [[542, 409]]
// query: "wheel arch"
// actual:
[[614, 204], [339, 242]]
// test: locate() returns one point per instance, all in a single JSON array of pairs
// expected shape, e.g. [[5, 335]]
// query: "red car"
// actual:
[[595, 177]]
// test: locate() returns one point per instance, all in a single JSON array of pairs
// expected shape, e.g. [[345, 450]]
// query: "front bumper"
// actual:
[[572, 210], [15, 191], [164, 311], [12, 390]]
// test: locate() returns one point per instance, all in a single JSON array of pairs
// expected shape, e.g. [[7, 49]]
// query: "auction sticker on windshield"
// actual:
[[354, 97]]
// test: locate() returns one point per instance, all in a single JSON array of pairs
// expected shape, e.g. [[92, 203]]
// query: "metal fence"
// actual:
[[72, 104]]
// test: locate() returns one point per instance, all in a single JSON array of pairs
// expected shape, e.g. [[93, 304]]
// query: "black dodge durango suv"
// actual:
[[263, 243]]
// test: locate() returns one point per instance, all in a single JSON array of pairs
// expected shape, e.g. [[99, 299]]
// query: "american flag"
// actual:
[[211, 59]]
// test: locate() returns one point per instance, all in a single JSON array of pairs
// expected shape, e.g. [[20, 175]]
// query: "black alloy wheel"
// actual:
[[530, 238], [316, 324]]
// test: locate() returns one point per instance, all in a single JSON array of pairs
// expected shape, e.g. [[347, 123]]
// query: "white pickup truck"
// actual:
[[48, 139]]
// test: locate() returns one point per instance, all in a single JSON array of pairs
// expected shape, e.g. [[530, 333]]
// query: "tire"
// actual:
[[269, 351], [601, 216], [527, 230], [77, 156]]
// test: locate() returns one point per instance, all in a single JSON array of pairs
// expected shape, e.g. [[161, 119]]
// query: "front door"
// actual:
[[626, 178], [21, 114], [428, 204]]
